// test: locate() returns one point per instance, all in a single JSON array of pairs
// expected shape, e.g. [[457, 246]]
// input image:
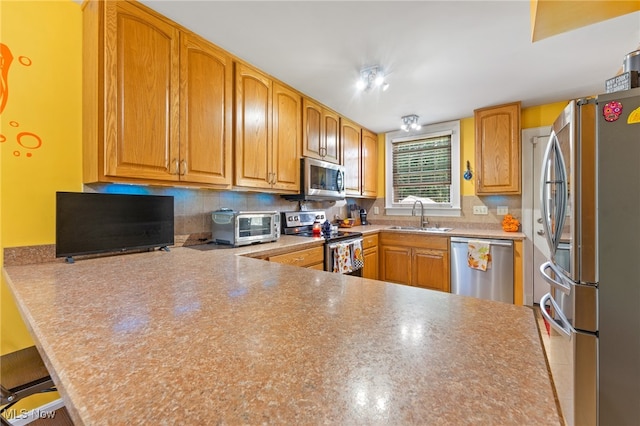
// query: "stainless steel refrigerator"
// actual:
[[590, 201]]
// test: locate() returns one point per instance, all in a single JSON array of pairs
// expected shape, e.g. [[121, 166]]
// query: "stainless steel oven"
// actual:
[[343, 254], [343, 251]]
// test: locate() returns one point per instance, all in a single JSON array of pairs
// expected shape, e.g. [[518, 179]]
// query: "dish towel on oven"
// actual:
[[357, 257], [342, 259], [479, 255]]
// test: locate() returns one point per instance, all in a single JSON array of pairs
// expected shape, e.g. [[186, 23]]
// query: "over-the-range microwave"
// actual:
[[242, 228], [320, 180]]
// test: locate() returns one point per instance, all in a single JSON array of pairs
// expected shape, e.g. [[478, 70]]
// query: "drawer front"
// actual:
[[414, 240], [369, 241], [301, 258]]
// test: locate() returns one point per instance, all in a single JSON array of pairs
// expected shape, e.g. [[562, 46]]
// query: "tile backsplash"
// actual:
[[193, 208], [467, 219]]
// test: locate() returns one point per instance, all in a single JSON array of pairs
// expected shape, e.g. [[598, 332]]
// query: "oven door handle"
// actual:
[[349, 242]]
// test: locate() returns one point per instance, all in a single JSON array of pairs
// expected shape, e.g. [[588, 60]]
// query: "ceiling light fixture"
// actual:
[[371, 77], [410, 122]]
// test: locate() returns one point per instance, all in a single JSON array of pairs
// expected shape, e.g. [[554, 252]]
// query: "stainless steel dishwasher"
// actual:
[[496, 283]]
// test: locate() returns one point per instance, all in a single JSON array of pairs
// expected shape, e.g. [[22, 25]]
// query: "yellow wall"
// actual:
[[40, 130], [543, 115]]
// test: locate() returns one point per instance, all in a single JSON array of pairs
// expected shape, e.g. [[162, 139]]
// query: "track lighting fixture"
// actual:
[[371, 77], [410, 122]]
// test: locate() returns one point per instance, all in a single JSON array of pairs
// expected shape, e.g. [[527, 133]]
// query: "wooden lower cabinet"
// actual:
[[370, 251], [430, 269], [312, 258], [395, 264], [416, 260]]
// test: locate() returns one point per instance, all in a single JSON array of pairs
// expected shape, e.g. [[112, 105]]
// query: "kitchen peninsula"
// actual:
[[210, 337]]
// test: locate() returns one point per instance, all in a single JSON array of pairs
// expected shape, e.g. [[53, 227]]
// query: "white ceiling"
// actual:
[[443, 58]]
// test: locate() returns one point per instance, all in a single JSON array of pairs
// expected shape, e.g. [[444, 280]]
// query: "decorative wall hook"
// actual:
[[467, 174]]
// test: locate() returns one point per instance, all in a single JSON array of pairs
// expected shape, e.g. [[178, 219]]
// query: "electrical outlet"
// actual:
[[480, 210], [503, 210], [376, 210]]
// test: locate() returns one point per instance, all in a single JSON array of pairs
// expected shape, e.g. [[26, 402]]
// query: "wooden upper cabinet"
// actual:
[[498, 151], [206, 90], [321, 132], [268, 132], [369, 163], [253, 128], [312, 129], [141, 74], [287, 138], [351, 154], [331, 122], [360, 158], [157, 100]]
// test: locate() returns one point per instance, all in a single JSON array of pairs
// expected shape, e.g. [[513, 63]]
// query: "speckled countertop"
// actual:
[[209, 337], [455, 232]]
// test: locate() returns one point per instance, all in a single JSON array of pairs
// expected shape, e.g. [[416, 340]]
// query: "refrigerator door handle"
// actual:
[[561, 325], [563, 284], [556, 205], [544, 194]]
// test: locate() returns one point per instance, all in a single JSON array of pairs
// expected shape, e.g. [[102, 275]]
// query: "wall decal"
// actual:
[[5, 62], [26, 140]]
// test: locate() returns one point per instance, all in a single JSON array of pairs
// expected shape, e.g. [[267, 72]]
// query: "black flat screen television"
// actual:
[[89, 223]]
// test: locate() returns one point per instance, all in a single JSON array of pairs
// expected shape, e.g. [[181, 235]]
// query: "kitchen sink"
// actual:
[[415, 228], [434, 229]]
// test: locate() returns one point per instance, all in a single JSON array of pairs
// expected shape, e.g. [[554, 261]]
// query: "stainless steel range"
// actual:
[[343, 251]]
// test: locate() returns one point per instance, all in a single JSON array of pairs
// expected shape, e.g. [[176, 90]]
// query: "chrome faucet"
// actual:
[[423, 220]]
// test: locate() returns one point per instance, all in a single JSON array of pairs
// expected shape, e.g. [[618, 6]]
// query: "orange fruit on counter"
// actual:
[[510, 223]]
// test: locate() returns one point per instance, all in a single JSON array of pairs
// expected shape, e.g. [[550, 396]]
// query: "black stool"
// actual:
[[22, 374]]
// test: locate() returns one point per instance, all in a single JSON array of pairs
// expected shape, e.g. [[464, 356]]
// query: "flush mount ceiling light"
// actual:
[[410, 122], [371, 77]]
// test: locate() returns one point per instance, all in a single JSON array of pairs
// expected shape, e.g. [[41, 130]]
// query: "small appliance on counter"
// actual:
[[363, 217], [243, 228]]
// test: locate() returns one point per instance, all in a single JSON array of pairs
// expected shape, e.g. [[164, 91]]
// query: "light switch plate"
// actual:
[[503, 210], [480, 210], [376, 210]]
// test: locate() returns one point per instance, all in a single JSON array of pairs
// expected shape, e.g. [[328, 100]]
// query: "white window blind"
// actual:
[[422, 168]]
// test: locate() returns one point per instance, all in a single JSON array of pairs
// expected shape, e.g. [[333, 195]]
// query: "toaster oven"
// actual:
[[236, 228]]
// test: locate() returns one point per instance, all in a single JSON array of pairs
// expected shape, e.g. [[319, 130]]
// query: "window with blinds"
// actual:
[[422, 168]]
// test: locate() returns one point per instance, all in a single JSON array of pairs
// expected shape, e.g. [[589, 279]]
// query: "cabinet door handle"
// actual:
[[176, 166], [273, 178], [183, 165]]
